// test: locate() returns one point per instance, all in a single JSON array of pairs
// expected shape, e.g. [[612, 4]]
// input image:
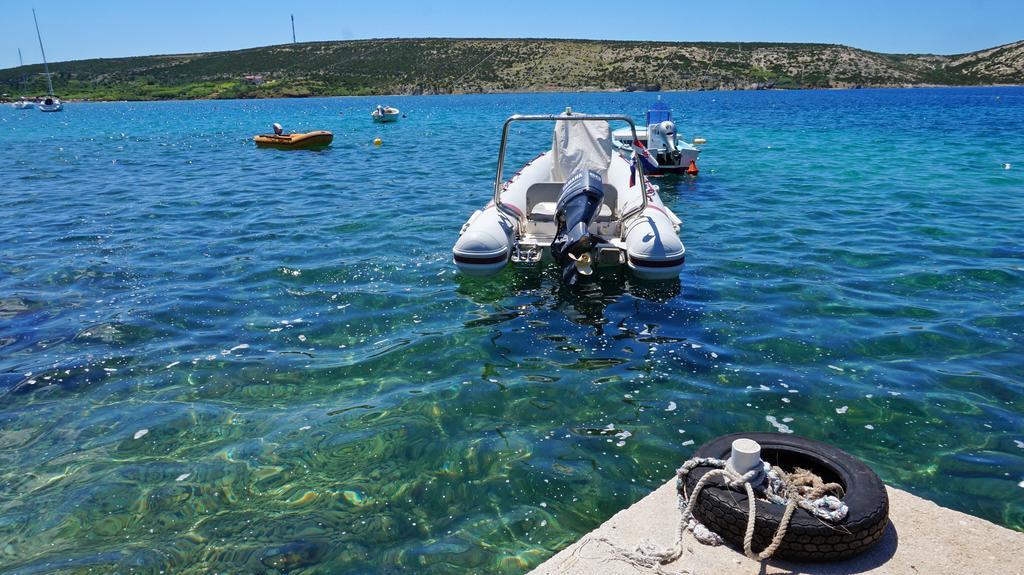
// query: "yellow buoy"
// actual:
[[377, 142]]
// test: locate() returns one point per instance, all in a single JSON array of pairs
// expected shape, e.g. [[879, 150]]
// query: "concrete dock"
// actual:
[[921, 539]]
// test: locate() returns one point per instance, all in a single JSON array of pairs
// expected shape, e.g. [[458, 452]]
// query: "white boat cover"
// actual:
[[578, 144]]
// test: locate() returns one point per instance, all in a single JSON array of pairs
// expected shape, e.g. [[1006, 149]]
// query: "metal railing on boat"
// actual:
[[567, 115]]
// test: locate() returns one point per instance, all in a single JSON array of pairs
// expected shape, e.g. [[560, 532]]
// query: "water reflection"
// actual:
[[541, 289]]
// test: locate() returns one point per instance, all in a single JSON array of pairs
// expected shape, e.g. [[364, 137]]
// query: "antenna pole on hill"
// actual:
[[293, 28], [20, 61]]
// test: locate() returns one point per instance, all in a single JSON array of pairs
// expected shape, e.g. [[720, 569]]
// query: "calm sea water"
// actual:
[[215, 358]]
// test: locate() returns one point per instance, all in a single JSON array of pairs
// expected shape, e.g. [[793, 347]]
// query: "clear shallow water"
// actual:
[[215, 358]]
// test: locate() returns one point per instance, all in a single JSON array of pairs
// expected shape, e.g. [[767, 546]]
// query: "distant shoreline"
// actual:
[[525, 92]]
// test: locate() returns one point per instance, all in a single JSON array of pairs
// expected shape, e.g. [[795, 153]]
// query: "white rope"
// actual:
[[798, 489]]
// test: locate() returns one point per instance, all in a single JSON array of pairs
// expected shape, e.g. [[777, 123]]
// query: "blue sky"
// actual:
[[75, 30]]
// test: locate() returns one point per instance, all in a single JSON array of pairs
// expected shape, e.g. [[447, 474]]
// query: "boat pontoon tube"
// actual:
[[483, 248], [654, 250]]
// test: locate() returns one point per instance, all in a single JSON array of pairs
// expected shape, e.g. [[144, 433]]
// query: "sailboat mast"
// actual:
[[46, 67], [24, 81]]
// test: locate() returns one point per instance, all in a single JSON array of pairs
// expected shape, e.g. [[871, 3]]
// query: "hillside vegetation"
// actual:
[[419, 66]]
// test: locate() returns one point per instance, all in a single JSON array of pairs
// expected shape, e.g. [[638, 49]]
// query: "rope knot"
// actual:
[[802, 489]]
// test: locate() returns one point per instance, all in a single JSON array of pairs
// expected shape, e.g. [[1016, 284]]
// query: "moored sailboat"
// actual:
[[50, 103], [24, 103]]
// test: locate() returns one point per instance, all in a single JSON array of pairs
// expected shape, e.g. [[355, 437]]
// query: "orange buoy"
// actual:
[[692, 170]]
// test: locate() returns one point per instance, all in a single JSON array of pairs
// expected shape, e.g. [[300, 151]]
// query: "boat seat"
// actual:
[[542, 193], [545, 212]]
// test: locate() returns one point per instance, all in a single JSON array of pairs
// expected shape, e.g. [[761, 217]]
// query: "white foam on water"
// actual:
[[140, 434], [172, 364], [843, 409], [183, 477], [839, 369], [781, 427], [869, 426], [671, 406], [688, 442]]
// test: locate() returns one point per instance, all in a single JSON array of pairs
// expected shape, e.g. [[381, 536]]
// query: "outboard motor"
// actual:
[[663, 139], [580, 201]]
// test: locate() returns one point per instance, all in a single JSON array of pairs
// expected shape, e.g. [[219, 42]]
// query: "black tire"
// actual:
[[724, 511]]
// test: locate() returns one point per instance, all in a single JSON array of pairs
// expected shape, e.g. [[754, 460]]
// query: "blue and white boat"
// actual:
[[673, 154]]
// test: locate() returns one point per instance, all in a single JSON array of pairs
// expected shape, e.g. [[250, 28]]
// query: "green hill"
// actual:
[[418, 66]]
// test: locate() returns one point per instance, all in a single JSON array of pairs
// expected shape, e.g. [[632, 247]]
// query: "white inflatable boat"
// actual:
[[582, 203]]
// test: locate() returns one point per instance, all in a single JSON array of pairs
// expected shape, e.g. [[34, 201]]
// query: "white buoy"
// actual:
[[1006, 166], [699, 141], [746, 456]]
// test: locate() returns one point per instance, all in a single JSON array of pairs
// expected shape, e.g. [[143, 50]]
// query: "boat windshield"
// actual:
[[659, 112]]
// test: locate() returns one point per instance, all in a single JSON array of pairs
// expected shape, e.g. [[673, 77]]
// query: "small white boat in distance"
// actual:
[[23, 104], [385, 114], [673, 155], [581, 203]]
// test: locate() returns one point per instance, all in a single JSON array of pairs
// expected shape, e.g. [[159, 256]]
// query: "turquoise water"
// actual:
[[215, 358]]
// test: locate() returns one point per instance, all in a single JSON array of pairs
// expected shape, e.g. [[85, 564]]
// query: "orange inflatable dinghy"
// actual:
[[317, 139]]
